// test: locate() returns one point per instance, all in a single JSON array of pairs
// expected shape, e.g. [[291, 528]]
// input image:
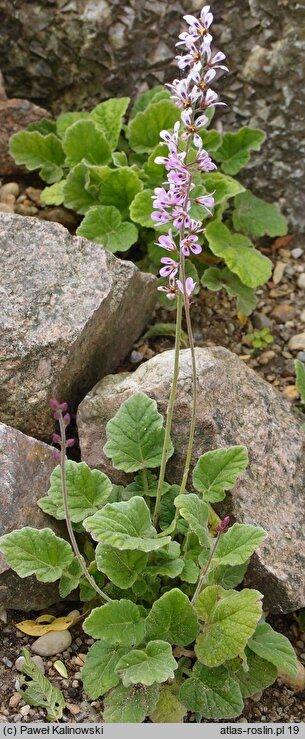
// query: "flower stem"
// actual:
[[206, 569], [67, 514], [169, 410], [194, 384]]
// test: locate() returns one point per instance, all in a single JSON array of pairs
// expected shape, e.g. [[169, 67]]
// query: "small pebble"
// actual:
[[301, 356], [8, 198], [283, 312], [75, 614], [20, 661], [14, 700], [26, 210], [301, 281], [297, 683], [260, 320], [278, 272], [25, 710], [136, 357], [6, 208], [297, 253], [73, 708], [297, 342], [7, 662], [266, 357], [10, 187], [291, 392], [34, 194], [52, 643]]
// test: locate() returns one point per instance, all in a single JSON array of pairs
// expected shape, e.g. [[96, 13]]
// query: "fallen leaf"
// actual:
[[36, 628], [60, 668], [243, 320], [282, 241]]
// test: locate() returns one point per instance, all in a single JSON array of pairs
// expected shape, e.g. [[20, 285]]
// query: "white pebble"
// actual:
[[296, 253], [297, 342], [54, 642], [301, 281]]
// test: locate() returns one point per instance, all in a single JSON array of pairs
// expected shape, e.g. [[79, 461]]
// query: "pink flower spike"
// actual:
[[56, 439], [54, 404], [189, 287]]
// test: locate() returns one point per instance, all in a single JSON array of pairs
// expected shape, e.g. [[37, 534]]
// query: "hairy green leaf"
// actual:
[[234, 152], [108, 117], [216, 279], [238, 544], [119, 188], [40, 692], [168, 710], [122, 568], [144, 129], [259, 675], [43, 126], [196, 513], [135, 435], [53, 195], [144, 100], [146, 484], [87, 491], [39, 152], [165, 329], [154, 664], [75, 193], [65, 120], [36, 552], [300, 375], [217, 471], [98, 673], [252, 267], [70, 578], [118, 622], [254, 216], [274, 647], [215, 693], [166, 561], [141, 208], [83, 140], [126, 525], [103, 225], [224, 187], [172, 618], [130, 705]]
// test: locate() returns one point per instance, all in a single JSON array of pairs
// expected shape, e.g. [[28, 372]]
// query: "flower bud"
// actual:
[[56, 455], [56, 439], [54, 404], [66, 419], [70, 442], [223, 526]]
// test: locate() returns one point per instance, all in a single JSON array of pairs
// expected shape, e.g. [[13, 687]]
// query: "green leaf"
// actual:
[[168, 710], [190, 572], [98, 673], [86, 591], [70, 578], [53, 195], [211, 139], [196, 513], [87, 491], [141, 208], [119, 189], [147, 98], [144, 129], [130, 705], [165, 329], [239, 255], [44, 126], [274, 647], [39, 691], [225, 187], [154, 664], [229, 619], [75, 194], [108, 117], [216, 279], [103, 225], [226, 576], [36, 552], [167, 508], [118, 622], [125, 525], [65, 120], [135, 435], [155, 174], [39, 152], [138, 486], [254, 216], [122, 568], [173, 619], [83, 140], [234, 152], [260, 675], [300, 375], [215, 693], [217, 471], [119, 159], [238, 544], [166, 561]]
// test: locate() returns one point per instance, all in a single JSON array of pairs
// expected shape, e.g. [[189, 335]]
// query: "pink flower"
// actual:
[[170, 291], [171, 268], [189, 287], [207, 202], [167, 242], [190, 244]]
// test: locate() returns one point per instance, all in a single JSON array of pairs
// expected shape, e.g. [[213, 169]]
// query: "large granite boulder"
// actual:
[[99, 48], [25, 469], [235, 406], [69, 313]]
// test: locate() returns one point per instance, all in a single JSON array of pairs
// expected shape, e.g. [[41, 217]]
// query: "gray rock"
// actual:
[[297, 342], [70, 312], [20, 661], [25, 469], [235, 406], [260, 320], [100, 48], [54, 642]]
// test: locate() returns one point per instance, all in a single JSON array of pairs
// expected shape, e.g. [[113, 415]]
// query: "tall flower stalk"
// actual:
[[172, 203]]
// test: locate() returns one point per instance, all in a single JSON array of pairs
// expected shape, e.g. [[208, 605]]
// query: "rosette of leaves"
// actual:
[[104, 169], [157, 651]]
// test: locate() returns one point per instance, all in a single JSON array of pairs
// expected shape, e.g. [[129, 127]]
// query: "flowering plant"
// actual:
[[172, 634]]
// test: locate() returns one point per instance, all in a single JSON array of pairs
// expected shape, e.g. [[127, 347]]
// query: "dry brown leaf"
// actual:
[[35, 628]]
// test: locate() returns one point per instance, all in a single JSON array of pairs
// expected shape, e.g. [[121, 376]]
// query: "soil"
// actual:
[[215, 322]]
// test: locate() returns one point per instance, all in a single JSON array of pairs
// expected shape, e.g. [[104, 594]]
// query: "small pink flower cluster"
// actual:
[[172, 202], [59, 413]]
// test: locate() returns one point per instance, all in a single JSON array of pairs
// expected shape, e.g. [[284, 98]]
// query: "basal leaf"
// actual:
[[155, 174], [70, 578], [229, 619], [300, 375], [259, 675], [154, 664], [144, 100], [119, 189], [215, 693], [108, 117], [103, 225], [125, 525], [234, 152], [135, 435], [224, 187], [87, 491], [130, 705], [166, 561], [274, 647], [211, 139], [86, 591], [196, 513], [190, 572], [238, 544], [144, 129], [226, 576], [98, 675], [118, 622], [141, 208], [252, 215], [173, 619], [40, 692], [75, 193], [168, 508], [252, 267], [53, 195], [165, 329], [65, 120], [146, 484], [36, 552], [121, 567], [83, 140], [39, 152], [217, 471], [168, 710], [216, 279], [44, 126]]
